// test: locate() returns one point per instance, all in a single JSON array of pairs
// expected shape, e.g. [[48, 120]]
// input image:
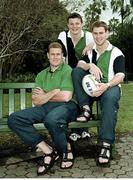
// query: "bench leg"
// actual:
[[98, 130]]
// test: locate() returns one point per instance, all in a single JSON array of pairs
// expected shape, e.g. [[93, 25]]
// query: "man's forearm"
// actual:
[[118, 78], [44, 98], [62, 96]]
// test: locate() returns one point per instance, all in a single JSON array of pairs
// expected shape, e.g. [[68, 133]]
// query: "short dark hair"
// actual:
[[99, 24], [55, 45], [74, 15]]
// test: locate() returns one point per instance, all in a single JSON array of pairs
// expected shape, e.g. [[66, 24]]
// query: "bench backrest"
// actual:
[[14, 95]]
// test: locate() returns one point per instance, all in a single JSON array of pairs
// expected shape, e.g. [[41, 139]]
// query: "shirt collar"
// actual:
[[60, 66], [82, 34], [109, 47]]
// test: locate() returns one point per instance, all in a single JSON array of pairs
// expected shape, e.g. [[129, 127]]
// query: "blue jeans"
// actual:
[[108, 103], [54, 115]]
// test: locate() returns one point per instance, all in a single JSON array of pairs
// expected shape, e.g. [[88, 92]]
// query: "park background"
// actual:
[[27, 27]]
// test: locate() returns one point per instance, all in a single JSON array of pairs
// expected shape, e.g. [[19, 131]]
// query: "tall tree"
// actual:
[[73, 5], [113, 25], [93, 11], [122, 7], [23, 24]]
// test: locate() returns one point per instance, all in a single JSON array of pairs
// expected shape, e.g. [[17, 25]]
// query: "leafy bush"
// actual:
[[27, 77]]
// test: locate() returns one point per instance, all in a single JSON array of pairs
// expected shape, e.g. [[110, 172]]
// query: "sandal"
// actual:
[[43, 166], [66, 159], [83, 117], [106, 154]]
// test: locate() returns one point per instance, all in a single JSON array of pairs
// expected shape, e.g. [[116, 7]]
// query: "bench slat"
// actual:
[[1, 104], [4, 128], [11, 101], [22, 98], [91, 123], [17, 85]]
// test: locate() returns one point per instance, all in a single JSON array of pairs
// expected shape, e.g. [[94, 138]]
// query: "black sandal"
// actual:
[[66, 159], [83, 115], [47, 166], [104, 155]]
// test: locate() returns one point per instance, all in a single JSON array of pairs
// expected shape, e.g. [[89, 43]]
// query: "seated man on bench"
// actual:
[[55, 107], [107, 64]]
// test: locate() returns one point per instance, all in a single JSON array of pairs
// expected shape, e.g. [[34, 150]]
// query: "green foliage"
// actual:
[[27, 77], [122, 33], [124, 40], [123, 8], [93, 12], [113, 25], [23, 26], [73, 6]]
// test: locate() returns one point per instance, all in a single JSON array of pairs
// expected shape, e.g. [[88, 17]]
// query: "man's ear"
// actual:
[[48, 55], [82, 25], [107, 34]]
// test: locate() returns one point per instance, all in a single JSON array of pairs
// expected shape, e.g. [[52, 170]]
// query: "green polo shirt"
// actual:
[[59, 79]]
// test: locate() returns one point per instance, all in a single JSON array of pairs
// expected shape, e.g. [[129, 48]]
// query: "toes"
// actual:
[[81, 119], [40, 169], [66, 164], [102, 160]]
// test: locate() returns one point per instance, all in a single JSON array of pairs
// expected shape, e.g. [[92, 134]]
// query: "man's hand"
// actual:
[[82, 64], [39, 96], [101, 88], [94, 70], [88, 48], [38, 91]]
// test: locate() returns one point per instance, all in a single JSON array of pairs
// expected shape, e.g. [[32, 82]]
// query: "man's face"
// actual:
[[55, 57], [99, 35], [75, 25]]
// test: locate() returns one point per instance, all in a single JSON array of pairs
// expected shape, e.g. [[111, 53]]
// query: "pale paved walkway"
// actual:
[[84, 167]]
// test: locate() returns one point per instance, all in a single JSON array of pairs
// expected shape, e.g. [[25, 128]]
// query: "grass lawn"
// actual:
[[125, 115]]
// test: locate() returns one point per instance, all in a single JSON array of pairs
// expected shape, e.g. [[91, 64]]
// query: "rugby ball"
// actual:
[[89, 84]]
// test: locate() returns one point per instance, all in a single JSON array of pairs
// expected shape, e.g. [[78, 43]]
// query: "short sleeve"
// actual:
[[119, 64], [66, 83], [89, 38]]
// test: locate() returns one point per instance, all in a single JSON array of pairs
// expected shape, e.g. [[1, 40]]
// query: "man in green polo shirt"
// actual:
[[54, 106]]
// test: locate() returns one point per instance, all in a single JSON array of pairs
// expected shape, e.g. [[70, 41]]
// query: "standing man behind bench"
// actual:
[[107, 64], [54, 107], [75, 41]]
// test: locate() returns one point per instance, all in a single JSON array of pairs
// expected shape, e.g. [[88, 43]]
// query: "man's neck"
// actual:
[[102, 47], [53, 68], [75, 38]]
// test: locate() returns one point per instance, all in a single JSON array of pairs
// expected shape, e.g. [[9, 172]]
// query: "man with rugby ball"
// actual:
[[107, 65]]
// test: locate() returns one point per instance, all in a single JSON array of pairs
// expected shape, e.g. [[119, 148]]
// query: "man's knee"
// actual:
[[111, 96], [11, 121], [76, 72], [50, 121], [56, 119]]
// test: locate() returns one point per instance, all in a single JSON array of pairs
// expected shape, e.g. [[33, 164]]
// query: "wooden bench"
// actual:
[[16, 96]]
